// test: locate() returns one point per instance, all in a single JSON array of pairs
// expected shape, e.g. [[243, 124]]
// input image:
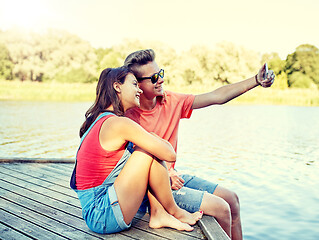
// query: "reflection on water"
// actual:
[[40, 129], [269, 155]]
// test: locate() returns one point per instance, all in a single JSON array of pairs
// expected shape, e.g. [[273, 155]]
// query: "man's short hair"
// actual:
[[139, 58]]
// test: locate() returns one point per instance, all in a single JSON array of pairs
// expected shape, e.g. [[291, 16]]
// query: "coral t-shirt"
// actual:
[[93, 163], [164, 118]]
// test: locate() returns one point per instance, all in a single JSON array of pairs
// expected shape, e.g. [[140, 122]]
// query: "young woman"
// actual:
[[110, 177]]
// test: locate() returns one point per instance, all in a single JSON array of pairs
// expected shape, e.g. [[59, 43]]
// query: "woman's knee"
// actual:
[[141, 153]]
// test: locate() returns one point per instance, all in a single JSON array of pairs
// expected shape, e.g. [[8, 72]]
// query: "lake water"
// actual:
[[268, 155]]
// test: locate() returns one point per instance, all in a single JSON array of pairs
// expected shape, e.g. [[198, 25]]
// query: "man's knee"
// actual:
[[225, 210], [215, 206], [234, 202], [230, 197]]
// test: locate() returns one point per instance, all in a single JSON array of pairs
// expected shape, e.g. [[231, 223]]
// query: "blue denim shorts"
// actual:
[[101, 210], [100, 207], [190, 196]]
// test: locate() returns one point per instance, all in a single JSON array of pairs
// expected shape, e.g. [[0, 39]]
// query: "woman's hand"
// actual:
[[268, 81]]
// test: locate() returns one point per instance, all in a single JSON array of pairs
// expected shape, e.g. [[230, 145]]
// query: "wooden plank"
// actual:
[[197, 233], [61, 169], [8, 233], [65, 167], [37, 160], [43, 221], [212, 229], [60, 222], [39, 180], [141, 224], [47, 172], [43, 190], [46, 200], [27, 228], [38, 189], [41, 173], [45, 208]]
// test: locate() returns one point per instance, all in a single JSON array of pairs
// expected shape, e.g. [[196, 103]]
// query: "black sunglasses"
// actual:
[[154, 77]]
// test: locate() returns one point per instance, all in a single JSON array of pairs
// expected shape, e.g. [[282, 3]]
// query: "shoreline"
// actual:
[[85, 92]]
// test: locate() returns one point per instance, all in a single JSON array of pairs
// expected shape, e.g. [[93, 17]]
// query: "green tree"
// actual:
[[100, 53], [306, 61], [111, 60], [52, 56], [202, 64], [230, 63], [24, 48], [67, 53], [191, 69], [300, 80], [6, 65]]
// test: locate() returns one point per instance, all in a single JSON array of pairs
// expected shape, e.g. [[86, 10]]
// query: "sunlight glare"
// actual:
[[26, 14]]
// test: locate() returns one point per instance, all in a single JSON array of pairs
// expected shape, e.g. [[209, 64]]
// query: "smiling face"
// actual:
[[129, 92], [149, 89]]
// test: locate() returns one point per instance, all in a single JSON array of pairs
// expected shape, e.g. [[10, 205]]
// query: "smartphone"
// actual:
[[266, 72]]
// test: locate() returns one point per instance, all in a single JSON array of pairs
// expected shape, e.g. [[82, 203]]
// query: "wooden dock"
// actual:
[[36, 202]]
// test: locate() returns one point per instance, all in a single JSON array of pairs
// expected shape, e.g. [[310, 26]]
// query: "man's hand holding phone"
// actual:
[[265, 77]]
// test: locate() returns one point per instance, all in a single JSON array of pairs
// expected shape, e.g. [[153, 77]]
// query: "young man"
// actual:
[[162, 118]]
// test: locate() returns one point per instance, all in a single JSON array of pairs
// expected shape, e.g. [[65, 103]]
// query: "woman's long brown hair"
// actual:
[[106, 95]]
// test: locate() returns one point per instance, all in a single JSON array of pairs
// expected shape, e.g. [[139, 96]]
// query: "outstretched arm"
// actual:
[[226, 93]]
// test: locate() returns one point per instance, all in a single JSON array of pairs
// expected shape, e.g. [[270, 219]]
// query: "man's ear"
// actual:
[[117, 87]]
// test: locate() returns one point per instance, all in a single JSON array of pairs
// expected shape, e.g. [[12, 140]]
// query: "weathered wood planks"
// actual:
[[36, 202]]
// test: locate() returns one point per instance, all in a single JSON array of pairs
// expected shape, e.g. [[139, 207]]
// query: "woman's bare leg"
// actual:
[[131, 184], [159, 177], [160, 218]]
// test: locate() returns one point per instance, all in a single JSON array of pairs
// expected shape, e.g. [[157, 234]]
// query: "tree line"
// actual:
[[63, 57]]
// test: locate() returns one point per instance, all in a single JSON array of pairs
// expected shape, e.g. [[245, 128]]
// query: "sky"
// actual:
[[263, 26]]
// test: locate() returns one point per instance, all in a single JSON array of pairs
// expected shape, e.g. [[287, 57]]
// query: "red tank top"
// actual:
[[94, 163]]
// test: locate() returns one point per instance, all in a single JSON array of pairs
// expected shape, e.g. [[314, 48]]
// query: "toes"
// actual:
[[188, 228]]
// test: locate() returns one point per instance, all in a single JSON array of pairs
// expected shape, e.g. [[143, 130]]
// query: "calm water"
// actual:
[[269, 155]]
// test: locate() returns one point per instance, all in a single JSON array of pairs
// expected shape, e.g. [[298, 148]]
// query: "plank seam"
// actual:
[[31, 199], [40, 185], [32, 222], [17, 230], [36, 177]]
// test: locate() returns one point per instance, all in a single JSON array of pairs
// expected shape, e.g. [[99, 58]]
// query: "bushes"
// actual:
[[300, 80]]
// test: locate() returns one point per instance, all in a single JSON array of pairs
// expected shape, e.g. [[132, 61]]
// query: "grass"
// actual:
[[264, 96], [33, 91], [30, 91]]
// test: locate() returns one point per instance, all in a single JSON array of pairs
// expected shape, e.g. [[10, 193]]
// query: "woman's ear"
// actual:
[[117, 87]]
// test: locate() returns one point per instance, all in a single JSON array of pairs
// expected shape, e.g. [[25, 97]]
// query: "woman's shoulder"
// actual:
[[119, 122]]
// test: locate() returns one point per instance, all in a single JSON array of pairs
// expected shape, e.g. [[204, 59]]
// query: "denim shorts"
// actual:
[[190, 196], [100, 207], [101, 210]]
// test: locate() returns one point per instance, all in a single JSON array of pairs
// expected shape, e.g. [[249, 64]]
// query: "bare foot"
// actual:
[[186, 217], [159, 219]]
